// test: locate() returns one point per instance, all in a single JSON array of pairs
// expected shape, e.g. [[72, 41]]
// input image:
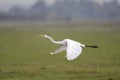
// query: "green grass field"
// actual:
[[25, 56]]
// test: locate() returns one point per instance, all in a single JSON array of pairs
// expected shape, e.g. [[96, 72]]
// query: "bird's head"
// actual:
[[44, 36]]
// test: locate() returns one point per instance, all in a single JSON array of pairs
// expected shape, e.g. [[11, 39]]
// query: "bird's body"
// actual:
[[73, 48]]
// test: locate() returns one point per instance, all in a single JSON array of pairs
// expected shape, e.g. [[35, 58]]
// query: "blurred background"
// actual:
[[25, 56], [60, 10]]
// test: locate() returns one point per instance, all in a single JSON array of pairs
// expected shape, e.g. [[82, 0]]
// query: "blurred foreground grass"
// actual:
[[25, 56]]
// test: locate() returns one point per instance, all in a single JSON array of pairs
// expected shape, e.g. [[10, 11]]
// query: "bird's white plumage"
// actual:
[[60, 49], [73, 48]]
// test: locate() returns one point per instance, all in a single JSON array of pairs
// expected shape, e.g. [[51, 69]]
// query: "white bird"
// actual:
[[73, 48]]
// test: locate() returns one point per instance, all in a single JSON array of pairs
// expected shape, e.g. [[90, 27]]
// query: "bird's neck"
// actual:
[[52, 40]]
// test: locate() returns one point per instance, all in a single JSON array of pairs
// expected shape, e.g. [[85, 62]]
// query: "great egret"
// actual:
[[73, 48]]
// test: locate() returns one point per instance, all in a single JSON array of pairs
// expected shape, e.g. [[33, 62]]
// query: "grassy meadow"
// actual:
[[25, 56]]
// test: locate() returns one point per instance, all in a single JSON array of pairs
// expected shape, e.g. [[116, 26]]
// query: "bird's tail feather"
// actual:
[[93, 46]]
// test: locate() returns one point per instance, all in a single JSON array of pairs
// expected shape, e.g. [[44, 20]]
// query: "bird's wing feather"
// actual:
[[60, 49], [73, 50]]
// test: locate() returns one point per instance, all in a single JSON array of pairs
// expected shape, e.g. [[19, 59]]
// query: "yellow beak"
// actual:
[[39, 35]]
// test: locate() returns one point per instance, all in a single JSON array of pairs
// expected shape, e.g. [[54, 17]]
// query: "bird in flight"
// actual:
[[73, 48]]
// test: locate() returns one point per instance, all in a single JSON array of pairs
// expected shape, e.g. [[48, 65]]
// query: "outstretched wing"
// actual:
[[73, 49], [60, 49]]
